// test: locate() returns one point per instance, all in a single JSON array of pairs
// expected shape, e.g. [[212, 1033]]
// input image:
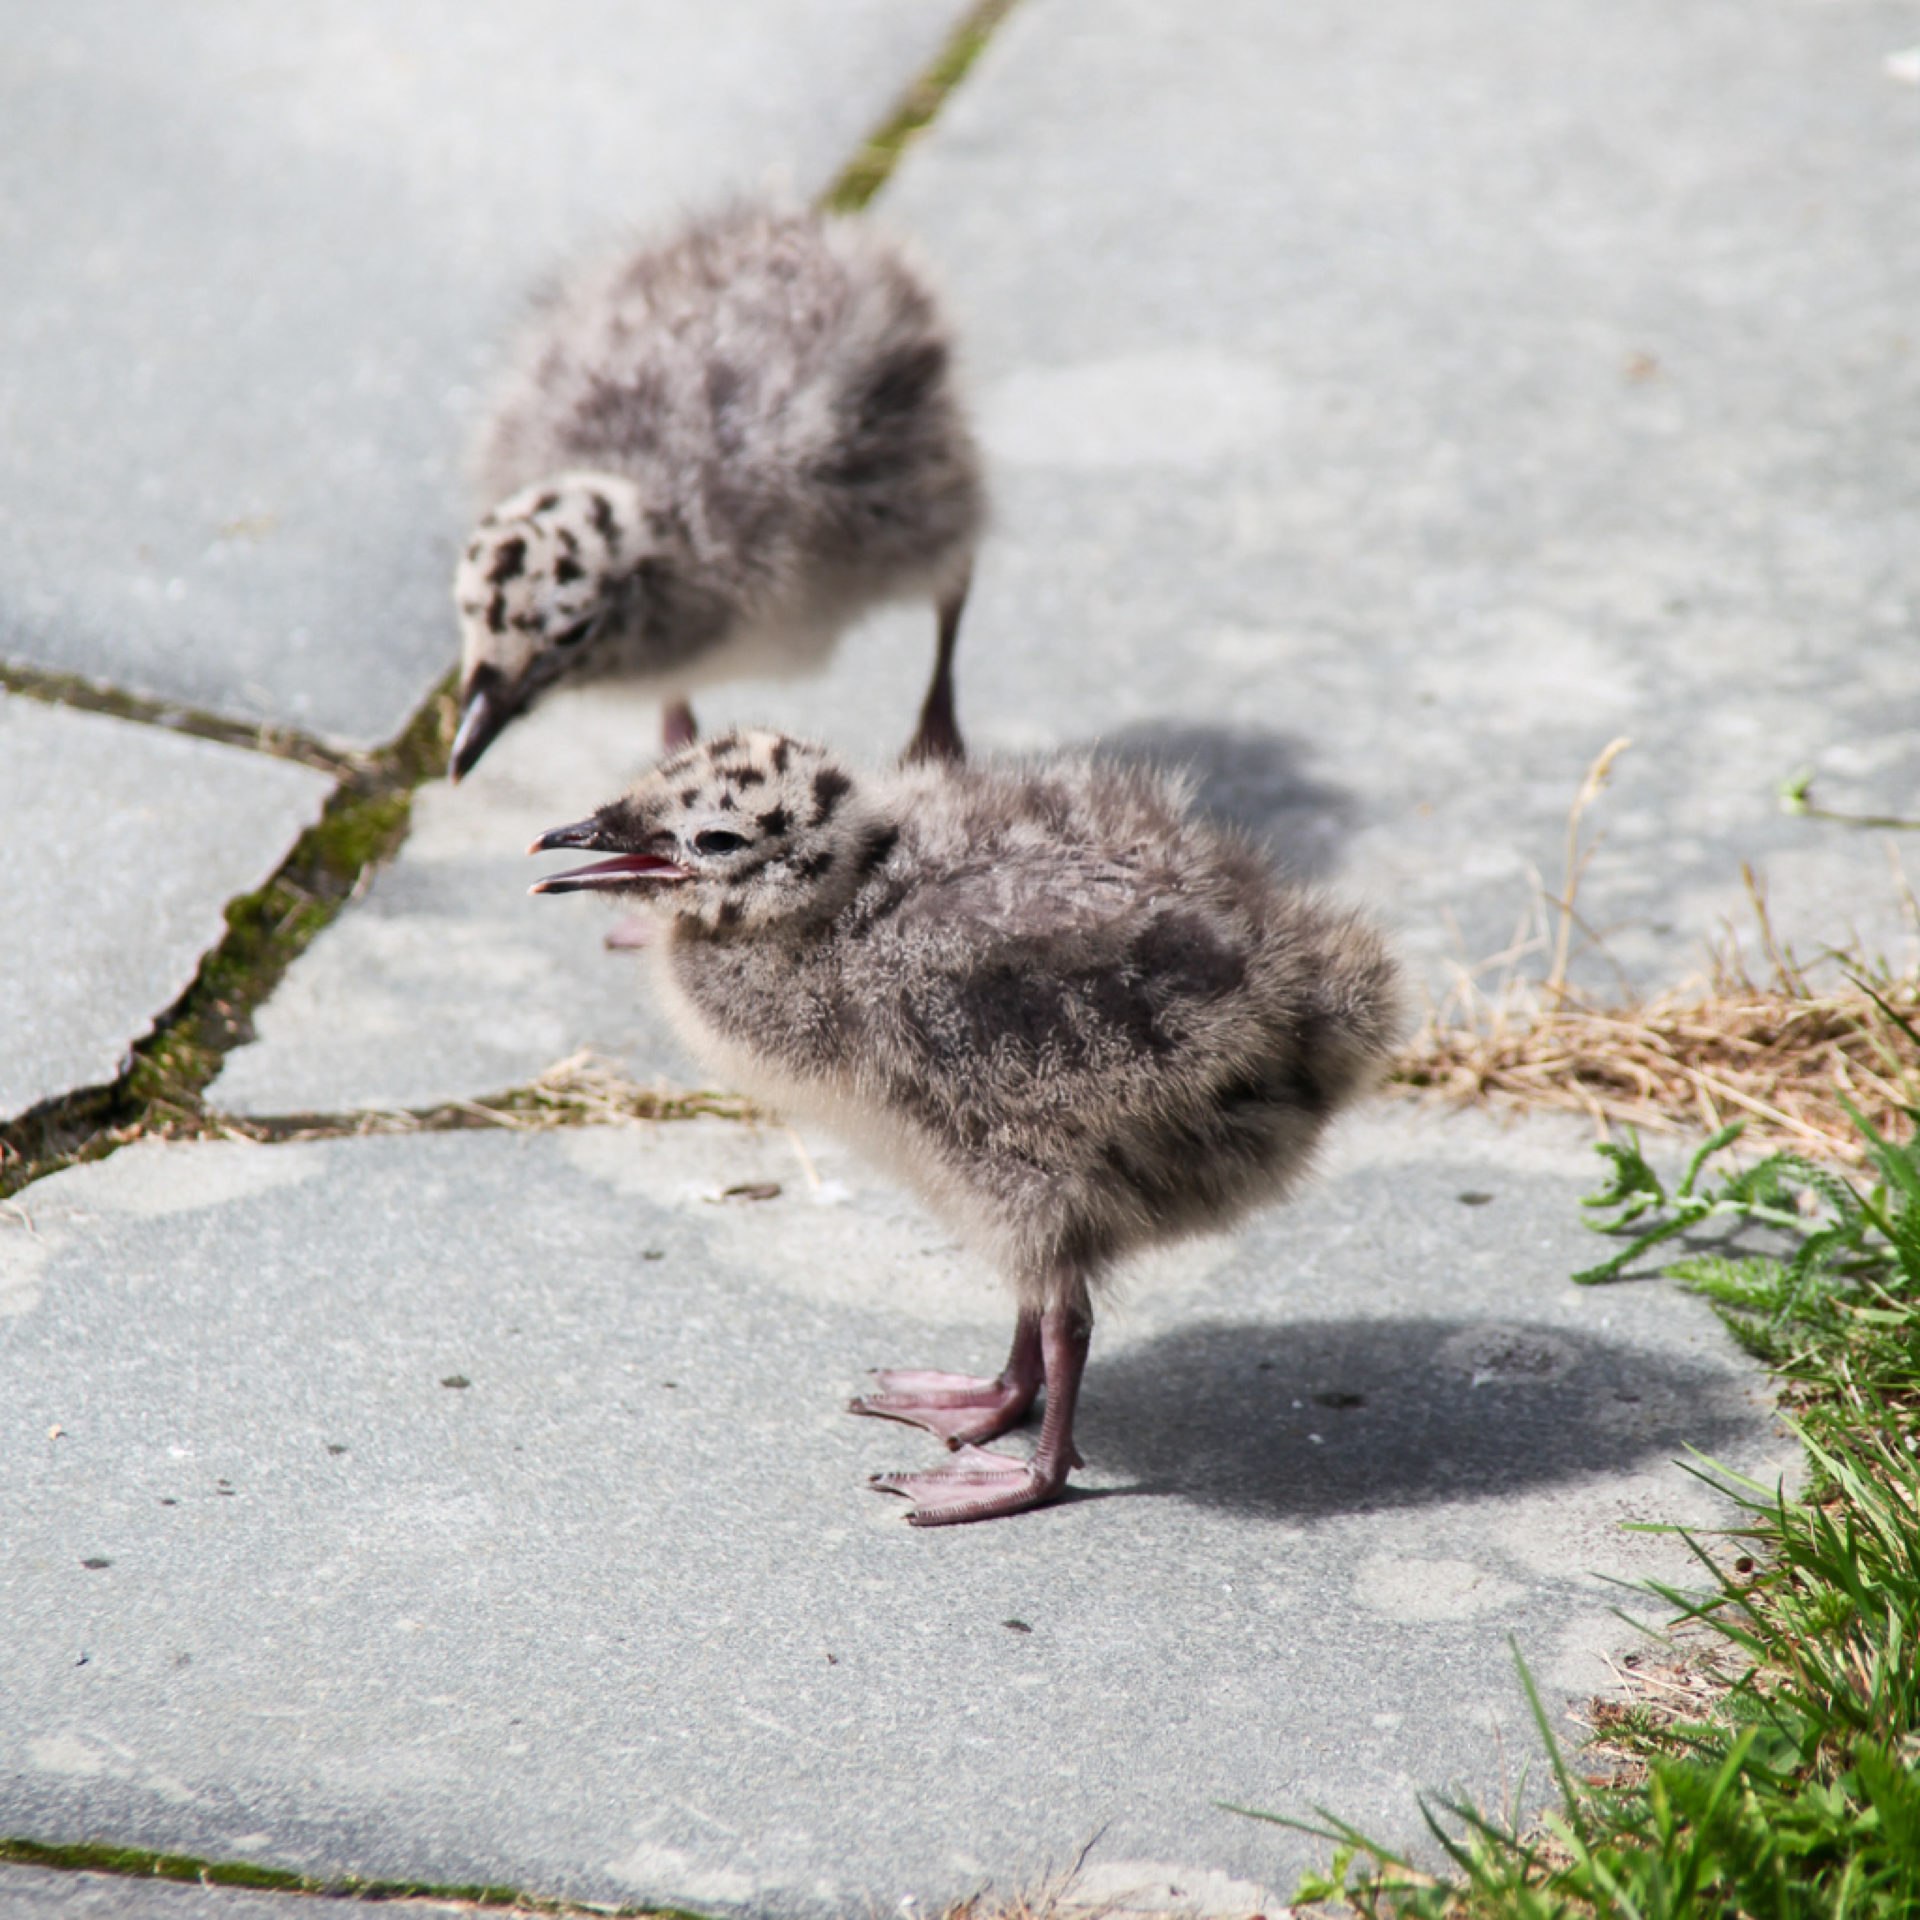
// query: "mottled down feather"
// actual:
[[1073, 1015]]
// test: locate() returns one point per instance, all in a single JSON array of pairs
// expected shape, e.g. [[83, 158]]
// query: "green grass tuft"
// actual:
[[1792, 1789]]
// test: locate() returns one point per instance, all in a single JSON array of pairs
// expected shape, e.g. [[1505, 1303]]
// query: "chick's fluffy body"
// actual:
[[1075, 1018], [777, 386]]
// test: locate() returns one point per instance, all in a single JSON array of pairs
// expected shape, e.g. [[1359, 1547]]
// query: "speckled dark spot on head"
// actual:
[[621, 822], [729, 914], [688, 795], [567, 569], [526, 621], [750, 777], [727, 802], [497, 614], [815, 865], [830, 787], [775, 820], [565, 536], [546, 503], [600, 512], [509, 562], [779, 756]]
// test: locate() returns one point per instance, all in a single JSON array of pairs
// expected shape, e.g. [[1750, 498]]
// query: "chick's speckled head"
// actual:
[[736, 834], [537, 584]]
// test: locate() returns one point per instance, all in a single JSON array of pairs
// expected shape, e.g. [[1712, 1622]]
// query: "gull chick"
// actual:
[[707, 459], [1077, 1019]]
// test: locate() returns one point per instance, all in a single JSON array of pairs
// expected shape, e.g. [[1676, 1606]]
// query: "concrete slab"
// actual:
[[480, 1506], [123, 845], [258, 266], [1389, 407]]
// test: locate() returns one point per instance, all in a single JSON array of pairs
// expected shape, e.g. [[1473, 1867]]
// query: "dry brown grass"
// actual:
[[1781, 1052], [583, 1090], [1777, 1058]]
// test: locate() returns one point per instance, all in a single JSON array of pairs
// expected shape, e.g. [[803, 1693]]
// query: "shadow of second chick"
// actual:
[[1253, 780]]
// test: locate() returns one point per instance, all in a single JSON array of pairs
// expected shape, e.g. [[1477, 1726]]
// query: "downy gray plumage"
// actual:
[[708, 457], [1074, 1018]]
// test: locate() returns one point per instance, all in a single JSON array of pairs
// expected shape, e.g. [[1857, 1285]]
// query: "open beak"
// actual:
[[489, 707], [624, 870]]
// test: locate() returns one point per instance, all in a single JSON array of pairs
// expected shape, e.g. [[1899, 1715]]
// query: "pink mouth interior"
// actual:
[[623, 866]]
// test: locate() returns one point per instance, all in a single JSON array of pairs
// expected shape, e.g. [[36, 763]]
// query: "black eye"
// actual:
[[718, 840], [573, 635]]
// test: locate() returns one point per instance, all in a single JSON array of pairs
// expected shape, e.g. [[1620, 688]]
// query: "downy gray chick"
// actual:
[[708, 458], [1074, 1018]]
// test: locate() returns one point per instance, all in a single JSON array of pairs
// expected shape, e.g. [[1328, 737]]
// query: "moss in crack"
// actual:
[[867, 172], [267, 930], [141, 1863]]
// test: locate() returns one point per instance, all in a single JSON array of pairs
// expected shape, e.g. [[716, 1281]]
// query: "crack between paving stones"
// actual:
[[361, 826], [175, 716], [872, 166], [364, 824]]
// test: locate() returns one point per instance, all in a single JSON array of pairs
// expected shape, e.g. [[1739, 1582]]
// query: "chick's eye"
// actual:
[[718, 840], [573, 635]]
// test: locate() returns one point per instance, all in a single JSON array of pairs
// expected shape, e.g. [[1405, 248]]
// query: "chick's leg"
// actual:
[[960, 1407], [938, 735], [978, 1484], [677, 728]]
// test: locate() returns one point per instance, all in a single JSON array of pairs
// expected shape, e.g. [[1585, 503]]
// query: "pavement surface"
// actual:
[[1386, 410], [124, 844], [425, 1534]]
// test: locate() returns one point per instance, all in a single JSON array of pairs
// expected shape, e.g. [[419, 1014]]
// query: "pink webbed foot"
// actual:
[[976, 1484], [959, 1407], [1049, 1349]]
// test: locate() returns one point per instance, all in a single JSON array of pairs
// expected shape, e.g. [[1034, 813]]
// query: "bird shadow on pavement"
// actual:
[[1310, 1421], [1253, 780]]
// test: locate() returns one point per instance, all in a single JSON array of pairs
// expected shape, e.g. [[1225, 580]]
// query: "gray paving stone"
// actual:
[[480, 1506], [1389, 407], [123, 845], [256, 269]]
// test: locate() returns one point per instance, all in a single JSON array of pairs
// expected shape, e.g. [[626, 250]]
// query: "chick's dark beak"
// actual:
[[588, 835], [624, 872], [489, 706]]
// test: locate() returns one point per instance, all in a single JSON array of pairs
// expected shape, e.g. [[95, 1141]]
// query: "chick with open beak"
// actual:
[[1076, 1019]]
